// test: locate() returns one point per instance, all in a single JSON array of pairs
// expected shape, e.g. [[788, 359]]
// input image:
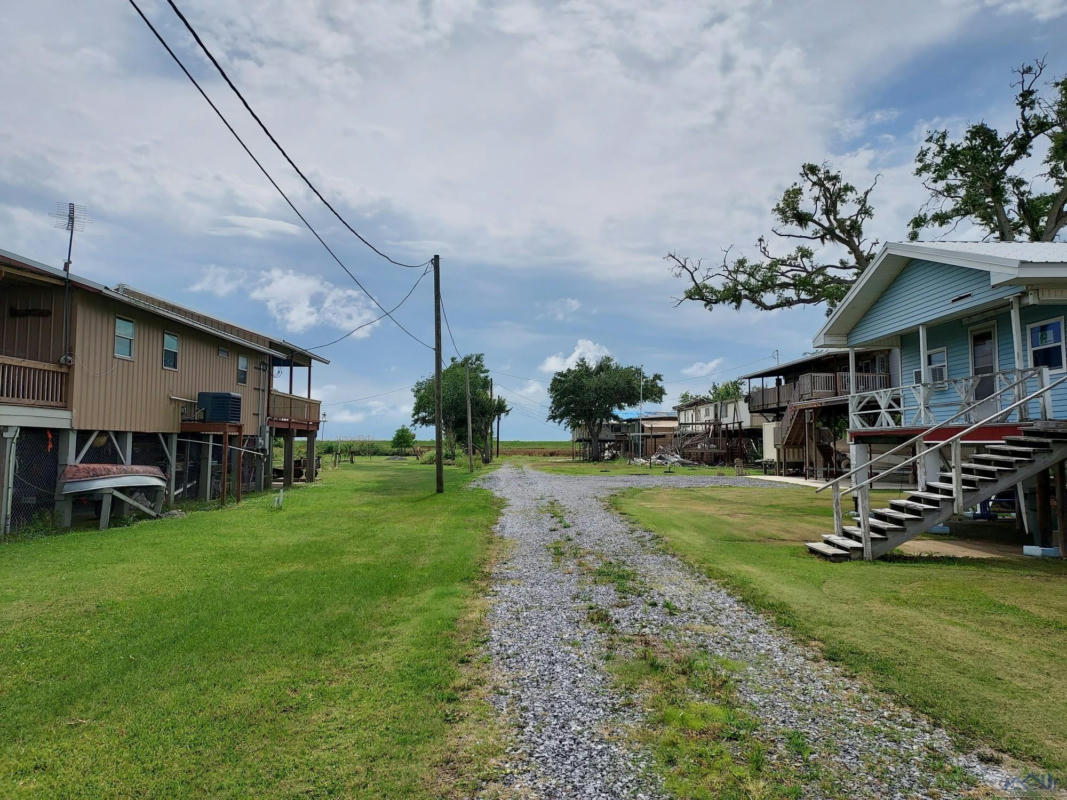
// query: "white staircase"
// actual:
[[998, 467]]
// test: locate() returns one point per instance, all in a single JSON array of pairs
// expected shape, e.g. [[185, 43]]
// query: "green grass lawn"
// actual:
[[311, 651], [976, 643]]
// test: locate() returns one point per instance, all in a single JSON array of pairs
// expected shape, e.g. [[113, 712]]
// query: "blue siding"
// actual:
[[923, 291], [955, 337]]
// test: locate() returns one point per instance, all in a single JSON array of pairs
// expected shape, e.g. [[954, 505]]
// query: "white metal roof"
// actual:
[[1022, 252]]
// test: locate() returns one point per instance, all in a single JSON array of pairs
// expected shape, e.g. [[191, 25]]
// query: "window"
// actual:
[[938, 361], [170, 351], [242, 369], [223, 352], [123, 337], [1046, 344]]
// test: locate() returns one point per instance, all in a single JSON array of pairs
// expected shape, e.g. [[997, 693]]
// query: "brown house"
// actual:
[[114, 376]]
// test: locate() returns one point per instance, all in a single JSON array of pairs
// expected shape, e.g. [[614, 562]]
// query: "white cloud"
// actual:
[[562, 308], [254, 227], [296, 300], [585, 348], [701, 369]]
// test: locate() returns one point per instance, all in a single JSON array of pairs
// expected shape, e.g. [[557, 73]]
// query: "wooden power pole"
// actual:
[[440, 464], [470, 432]]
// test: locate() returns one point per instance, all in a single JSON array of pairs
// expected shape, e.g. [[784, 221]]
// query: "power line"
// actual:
[[267, 175], [369, 396], [449, 327], [376, 319], [274, 141]]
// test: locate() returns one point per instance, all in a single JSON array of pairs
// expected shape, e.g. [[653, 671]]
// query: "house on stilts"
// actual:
[[111, 395], [977, 405]]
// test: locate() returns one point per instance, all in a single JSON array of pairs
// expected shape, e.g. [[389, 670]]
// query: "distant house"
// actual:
[[805, 404], [631, 434], [92, 375], [977, 405], [722, 431]]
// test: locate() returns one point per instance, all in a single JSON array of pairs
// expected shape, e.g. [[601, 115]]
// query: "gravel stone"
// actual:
[[573, 725]]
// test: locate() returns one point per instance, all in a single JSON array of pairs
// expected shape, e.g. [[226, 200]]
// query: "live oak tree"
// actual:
[[727, 390], [989, 179], [484, 408], [589, 395], [819, 210]]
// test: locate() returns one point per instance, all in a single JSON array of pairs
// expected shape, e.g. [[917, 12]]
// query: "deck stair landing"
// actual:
[[997, 468]]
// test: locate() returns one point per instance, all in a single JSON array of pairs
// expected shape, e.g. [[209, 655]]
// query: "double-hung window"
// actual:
[[938, 363], [170, 351], [124, 332], [1046, 344], [242, 369]]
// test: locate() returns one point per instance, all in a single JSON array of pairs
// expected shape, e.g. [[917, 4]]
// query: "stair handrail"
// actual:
[[1034, 372], [955, 438]]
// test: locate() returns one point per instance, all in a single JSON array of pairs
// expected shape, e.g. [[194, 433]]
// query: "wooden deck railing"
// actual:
[[290, 408], [35, 383]]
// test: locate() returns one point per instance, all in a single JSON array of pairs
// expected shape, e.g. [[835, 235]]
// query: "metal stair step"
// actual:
[[1030, 442], [987, 467], [898, 515], [913, 506], [948, 487], [967, 478], [884, 524], [940, 498], [842, 542], [1000, 458], [857, 533], [828, 551], [1026, 453]]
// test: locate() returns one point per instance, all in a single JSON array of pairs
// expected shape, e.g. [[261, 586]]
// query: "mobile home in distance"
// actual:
[[111, 392]]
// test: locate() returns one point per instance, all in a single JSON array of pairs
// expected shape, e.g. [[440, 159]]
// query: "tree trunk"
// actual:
[[594, 429]]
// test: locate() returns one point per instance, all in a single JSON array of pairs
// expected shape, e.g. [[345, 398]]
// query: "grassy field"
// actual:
[[977, 644], [313, 651]]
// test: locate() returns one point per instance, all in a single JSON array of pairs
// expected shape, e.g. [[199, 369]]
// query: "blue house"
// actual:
[[977, 402]]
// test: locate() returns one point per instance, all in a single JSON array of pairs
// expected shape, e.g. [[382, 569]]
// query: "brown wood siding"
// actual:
[[35, 338], [111, 393]]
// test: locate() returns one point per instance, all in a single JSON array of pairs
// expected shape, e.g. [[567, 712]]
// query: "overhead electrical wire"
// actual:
[[369, 396], [262, 125], [449, 327], [376, 319], [267, 175]]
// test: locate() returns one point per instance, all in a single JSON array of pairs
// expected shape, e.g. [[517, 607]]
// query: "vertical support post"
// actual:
[[470, 424], [924, 375], [1060, 475], [310, 473], [309, 379], [172, 467], [439, 465], [852, 388], [207, 452], [1044, 509], [125, 440], [239, 473], [67, 452], [498, 416], [225, 482], [920, 466], [838, 517], [957, 476], [105, 510], [865, 521], [487, 454], [1020, 507], [287, 458], [8, 437]]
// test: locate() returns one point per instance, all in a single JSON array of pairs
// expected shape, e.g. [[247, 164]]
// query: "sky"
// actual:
[[551, 153]]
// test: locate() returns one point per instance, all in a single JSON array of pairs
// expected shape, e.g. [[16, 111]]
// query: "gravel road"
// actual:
[[574, 726]]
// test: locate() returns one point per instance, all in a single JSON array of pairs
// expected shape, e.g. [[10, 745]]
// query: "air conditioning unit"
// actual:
[[220, 406]]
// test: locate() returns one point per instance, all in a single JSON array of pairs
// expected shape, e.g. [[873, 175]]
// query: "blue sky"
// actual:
[[552, 153]]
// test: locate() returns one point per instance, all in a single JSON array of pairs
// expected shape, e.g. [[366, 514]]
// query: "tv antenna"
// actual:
[[69, 217]]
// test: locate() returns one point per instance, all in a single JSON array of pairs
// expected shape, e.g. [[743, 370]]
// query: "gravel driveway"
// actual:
[[574, 725]]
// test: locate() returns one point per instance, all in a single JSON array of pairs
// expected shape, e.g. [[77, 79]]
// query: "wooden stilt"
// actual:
[[1044, 508], [224, 489], [1060, 474]]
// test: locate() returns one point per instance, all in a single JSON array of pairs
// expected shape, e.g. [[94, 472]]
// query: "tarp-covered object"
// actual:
[[93, 477]]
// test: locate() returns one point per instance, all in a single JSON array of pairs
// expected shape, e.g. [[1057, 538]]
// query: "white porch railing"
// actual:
[[921, 404]]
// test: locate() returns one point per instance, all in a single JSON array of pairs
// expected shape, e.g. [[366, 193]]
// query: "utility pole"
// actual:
[[498, 416], [488, 455], [470, 433], [439, 465]]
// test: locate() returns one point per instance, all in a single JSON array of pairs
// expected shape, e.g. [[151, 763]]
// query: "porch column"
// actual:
[[225, 466], [924, 374], [852, 371], [125, 439], [1017, 348], [206, 449], [67, 453], [287, 458]]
